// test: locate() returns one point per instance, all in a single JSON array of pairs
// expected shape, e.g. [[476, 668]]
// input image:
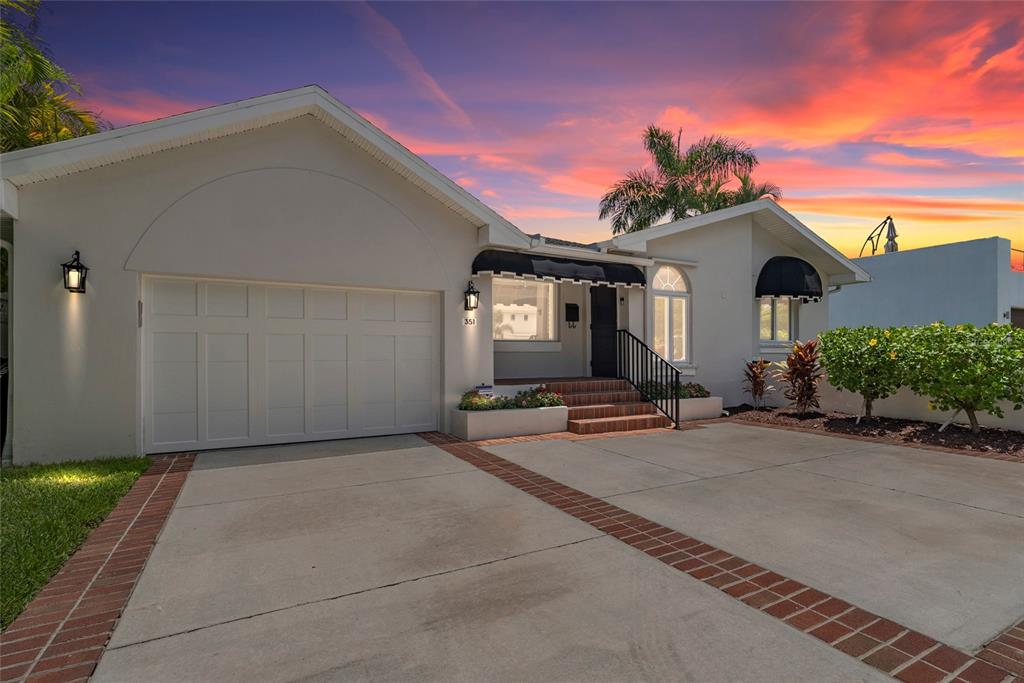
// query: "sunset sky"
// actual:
[[856, 110]]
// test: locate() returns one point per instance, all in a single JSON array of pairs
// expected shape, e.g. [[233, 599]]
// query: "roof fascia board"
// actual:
[[637, 241], [859, 274], [499, 237]]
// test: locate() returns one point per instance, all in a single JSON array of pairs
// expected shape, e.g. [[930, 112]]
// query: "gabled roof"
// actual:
[[769, 216], [45, 162]]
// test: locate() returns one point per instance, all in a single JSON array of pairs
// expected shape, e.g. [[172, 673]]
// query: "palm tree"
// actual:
[[36, 106], [682, 183], [749, 191]]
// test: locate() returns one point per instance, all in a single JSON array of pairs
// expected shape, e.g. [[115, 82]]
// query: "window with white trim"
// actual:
[[776, 319], [671, 315], [523, 310]]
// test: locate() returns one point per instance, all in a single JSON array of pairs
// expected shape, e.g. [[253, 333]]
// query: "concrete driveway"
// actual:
[[930, 540], [389, 559]]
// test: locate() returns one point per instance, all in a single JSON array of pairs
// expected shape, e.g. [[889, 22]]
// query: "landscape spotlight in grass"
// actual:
[[46, 511]]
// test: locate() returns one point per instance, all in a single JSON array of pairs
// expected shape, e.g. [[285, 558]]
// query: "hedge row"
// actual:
[[958, 367]]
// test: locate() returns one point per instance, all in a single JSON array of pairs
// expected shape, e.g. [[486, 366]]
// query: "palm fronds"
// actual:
[[683, 184], [636, 202], [36, 104]]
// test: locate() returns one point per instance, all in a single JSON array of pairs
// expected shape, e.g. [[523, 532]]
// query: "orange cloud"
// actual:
[[804, 173], [850, 204], [943, 93]]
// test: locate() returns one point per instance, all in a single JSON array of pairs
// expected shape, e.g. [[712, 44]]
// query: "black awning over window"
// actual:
[[788, 276], [554, 268]]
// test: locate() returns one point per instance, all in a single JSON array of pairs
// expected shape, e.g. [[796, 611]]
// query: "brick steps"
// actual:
[[578, 386], [604, 405], [594, 398], [601, 425], [611, 410]]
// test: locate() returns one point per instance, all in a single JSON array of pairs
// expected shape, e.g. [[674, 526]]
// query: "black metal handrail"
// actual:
[[657, 380]]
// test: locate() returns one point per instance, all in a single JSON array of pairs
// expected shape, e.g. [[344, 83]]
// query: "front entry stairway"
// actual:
[[598, 405]]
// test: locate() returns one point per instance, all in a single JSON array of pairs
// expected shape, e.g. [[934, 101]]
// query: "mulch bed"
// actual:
[[991, 442]]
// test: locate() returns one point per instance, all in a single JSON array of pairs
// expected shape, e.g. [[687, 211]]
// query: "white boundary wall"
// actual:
[[907, 405]]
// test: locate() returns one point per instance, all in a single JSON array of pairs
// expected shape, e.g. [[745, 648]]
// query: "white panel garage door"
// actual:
[[236, 364]]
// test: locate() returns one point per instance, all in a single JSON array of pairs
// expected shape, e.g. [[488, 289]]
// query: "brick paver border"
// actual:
[[62, 632], [1007, 650], [878, 642]]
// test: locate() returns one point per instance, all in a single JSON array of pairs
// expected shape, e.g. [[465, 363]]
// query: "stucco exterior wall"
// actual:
[[293, 202], [965, 282], [722, 299]]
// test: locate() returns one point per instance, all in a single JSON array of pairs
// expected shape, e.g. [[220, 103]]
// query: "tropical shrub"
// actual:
[[802, 372], [531, 398], [654, 390], [756, 376], [538, 398], [864, 360], [967, 368]]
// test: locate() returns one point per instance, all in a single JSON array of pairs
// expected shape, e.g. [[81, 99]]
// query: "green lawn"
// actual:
[[46, 511]]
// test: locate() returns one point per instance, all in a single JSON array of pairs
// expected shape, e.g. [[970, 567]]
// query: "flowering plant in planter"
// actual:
[[531, 398], [654, 390]]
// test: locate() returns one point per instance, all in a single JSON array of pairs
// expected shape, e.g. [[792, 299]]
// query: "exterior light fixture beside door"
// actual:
[[472, 296], [74, 274]]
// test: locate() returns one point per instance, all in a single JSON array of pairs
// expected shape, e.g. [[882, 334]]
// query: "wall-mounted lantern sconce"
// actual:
[[74, 274], [472, 297]]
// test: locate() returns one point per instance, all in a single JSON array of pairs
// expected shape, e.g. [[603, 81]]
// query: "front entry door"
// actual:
[[603, 324]]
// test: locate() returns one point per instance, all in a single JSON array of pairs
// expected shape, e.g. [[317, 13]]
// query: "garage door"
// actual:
[[236, 364]]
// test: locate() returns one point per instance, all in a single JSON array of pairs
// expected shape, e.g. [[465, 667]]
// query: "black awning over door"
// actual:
[[496, 262], [788, 276]]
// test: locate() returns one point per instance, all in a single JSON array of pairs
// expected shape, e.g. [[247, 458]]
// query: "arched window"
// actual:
[[671, 314]]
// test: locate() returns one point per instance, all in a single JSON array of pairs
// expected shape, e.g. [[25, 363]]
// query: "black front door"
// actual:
[[602, 332]]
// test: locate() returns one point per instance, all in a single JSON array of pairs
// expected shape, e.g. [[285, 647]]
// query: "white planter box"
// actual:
[[700, 408], [474, 425]]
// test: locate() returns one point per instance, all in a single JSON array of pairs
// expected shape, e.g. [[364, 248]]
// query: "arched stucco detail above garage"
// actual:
[[290, 225]]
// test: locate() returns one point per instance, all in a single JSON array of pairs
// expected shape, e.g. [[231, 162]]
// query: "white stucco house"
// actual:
[[280, 270]]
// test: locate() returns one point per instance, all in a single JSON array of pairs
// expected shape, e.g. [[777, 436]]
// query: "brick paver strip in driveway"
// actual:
[[63, 631], [887, 646]]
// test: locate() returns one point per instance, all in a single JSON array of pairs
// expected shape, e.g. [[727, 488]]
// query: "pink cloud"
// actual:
[[136, 105], [901, 159], [549, 212]]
